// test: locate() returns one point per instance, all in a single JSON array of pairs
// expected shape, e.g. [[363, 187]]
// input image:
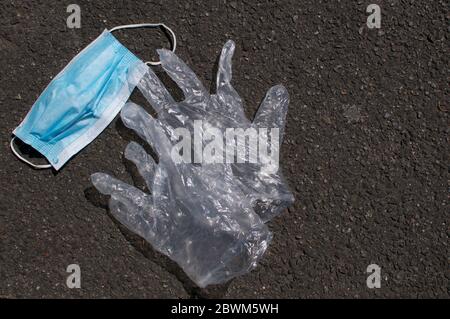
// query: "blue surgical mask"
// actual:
[[82, 99]]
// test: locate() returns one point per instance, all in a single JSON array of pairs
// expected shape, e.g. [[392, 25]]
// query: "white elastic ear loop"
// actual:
[[38, 166], [173, 39]]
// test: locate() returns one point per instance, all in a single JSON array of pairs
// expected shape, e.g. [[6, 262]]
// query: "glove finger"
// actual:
[[224, 72], [140, 219], [226, 94], [182, 75], [128, 205], [162, 192], [108, 185], [148, 128], [273, 109], [144, 162], [154, 91]]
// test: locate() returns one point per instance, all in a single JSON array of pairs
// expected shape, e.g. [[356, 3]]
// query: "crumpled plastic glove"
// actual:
[[261, 182], [193, 215]]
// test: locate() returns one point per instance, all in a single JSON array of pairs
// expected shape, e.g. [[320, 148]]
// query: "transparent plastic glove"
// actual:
[[193, 215], [262, 182]]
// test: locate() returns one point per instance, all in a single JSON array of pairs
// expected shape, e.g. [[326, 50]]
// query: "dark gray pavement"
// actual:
[[366, 148]]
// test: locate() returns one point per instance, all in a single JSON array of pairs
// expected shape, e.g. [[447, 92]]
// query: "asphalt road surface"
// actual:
[[365, 152]]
